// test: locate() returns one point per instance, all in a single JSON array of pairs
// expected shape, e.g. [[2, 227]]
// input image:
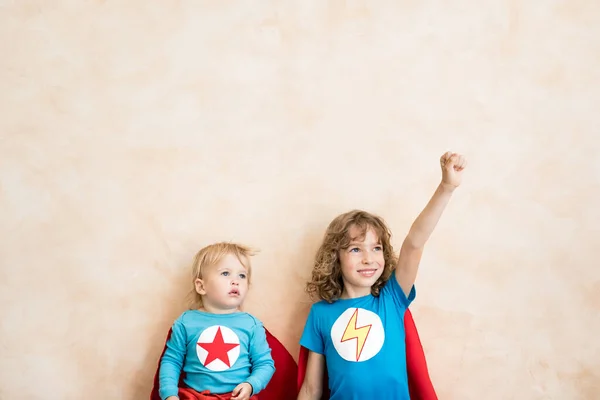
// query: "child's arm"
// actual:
[[312, 387], [263, 366], [172, 362], [410, 254]]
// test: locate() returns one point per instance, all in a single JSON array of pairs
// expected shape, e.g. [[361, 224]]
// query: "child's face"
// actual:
[[224, 285], [362, 263]]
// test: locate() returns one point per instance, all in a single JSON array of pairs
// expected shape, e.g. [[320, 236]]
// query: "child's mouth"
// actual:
[[367, 273], [234, 292]]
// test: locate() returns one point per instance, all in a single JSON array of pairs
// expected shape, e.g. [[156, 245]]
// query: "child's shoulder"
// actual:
[[323, 305], [249, 318], [187, 316]]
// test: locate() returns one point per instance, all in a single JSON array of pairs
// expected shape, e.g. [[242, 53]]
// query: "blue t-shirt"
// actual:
[[217, 352], [363, 341]]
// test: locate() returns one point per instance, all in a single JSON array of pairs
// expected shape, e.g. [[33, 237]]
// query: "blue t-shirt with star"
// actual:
[[217, 352], [363, 341]]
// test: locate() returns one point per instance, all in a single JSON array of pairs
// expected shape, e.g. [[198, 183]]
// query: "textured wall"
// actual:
[[133, 133]]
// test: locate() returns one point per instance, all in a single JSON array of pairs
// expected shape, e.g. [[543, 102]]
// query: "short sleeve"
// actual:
[[392, 288], [312, 339]]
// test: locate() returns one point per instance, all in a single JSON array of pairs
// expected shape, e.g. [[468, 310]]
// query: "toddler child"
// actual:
[[221, 350]]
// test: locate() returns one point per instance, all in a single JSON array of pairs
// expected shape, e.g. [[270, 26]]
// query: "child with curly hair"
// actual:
[[356, 330]]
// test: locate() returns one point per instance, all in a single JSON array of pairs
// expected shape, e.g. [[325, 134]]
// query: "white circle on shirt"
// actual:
[[218, 348], [357, 334]]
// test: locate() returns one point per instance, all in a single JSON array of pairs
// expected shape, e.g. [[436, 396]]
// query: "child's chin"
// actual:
[[235, 301]]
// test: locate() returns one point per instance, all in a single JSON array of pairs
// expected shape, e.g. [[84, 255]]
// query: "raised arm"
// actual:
[[412, 248]]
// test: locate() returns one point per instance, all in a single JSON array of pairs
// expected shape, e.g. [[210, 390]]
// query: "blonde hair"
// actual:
[[212, 255], [326, 282]]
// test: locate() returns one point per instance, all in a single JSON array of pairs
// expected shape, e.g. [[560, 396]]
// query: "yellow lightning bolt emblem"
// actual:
[[353, 332]]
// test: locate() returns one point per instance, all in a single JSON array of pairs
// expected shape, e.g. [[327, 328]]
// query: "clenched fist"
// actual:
[[452, 165]]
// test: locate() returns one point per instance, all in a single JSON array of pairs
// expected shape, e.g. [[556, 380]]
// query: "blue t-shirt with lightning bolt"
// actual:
[[363, 341], [217, 352]]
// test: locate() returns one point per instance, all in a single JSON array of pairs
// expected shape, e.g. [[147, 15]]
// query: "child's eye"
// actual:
[[243, 276], [225, 273], [378, 248], [354, 250]]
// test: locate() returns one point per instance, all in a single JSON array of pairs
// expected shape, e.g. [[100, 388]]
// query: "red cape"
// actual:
[[419, 382], [281, 387]]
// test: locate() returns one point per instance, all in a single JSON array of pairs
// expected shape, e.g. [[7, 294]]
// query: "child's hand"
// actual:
[[243, 391], [452, 165]]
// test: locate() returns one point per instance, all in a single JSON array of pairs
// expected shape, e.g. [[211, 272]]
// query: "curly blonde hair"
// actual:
[[212, 255], [326, 282]]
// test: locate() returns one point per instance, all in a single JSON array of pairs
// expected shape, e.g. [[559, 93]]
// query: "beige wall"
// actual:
[[132, 135]]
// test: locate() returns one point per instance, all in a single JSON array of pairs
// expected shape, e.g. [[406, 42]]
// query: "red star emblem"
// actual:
[[218, 349]]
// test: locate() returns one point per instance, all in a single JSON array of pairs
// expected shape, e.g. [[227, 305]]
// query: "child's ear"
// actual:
[[199, 287]]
